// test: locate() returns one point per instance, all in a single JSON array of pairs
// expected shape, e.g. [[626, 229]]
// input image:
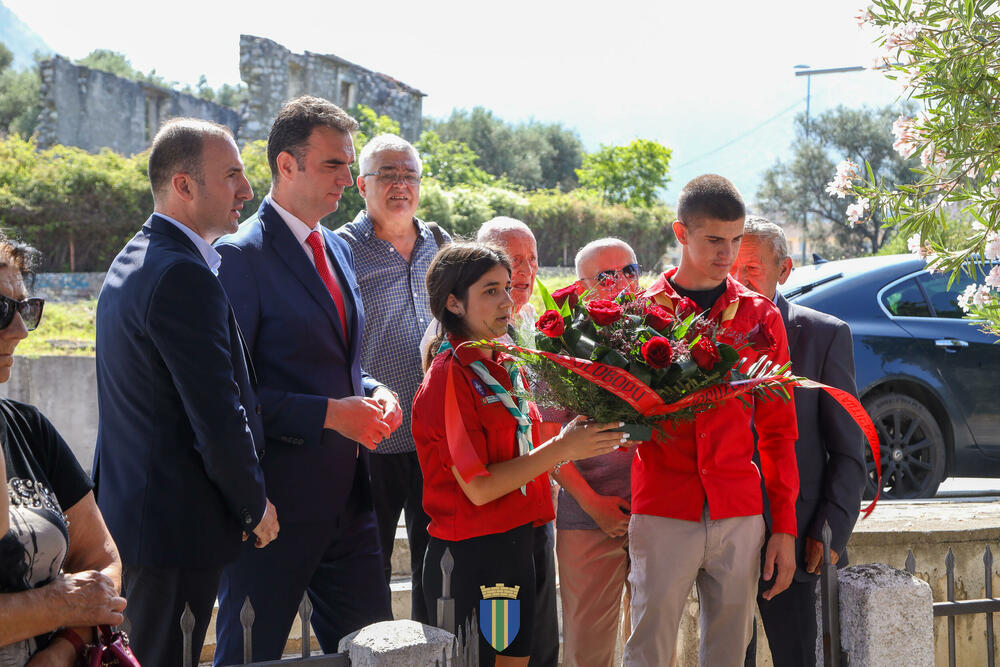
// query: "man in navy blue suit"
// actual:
[[179, 480], [292, 284]]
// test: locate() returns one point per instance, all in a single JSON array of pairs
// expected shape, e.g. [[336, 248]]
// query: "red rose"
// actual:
[[685, 307], [604, 312], [551, 324], [760, 339], [571, 292], [658, 317], [705, 354], [657, 351]]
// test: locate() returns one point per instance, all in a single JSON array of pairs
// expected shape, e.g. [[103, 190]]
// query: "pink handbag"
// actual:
[[111, 649]]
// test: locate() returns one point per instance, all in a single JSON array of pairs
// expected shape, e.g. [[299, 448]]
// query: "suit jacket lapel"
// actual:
[[163, 226], [288, 249], [792, 326]]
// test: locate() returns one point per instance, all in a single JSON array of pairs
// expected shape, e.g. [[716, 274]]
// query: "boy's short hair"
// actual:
[[710, 197]]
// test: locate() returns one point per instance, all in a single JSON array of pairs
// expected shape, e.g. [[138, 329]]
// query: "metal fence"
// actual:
[[464, 651], [833, 654]]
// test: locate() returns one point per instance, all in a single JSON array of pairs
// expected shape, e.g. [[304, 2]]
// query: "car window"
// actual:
[[906, 300], [943, 298]]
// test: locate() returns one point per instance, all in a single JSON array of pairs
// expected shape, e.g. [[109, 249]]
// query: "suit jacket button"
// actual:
[[247, 519]]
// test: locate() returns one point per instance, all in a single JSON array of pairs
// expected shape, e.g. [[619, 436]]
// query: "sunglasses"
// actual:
[[610, 277], [30, 309]]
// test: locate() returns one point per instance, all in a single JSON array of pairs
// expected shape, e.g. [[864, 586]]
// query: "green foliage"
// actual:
[[450, 163], [76, 207], [796, 190], [254, 155], [531, 155], [632, 174], [118, 64], [19, 107], [945, 53]]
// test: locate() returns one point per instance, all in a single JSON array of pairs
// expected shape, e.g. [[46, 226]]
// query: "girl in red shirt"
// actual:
[[485, 483]]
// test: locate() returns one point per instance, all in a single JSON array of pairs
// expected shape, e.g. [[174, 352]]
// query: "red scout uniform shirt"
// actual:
[[710, 457], [492, 432]]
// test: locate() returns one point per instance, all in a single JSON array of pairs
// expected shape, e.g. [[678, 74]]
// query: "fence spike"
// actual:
[[187, 628], [988, 562], [305, 613], [988, 579], [246, 620], [911, 562], [447, 567], [949, 567]]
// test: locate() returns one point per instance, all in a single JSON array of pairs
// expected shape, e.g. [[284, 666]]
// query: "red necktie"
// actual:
[[319, 256]]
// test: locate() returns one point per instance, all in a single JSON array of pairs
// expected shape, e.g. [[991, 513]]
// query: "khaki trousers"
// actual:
[[721, 557], [593, 572]]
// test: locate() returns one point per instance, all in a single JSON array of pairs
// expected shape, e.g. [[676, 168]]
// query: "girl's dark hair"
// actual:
[[453, 270]]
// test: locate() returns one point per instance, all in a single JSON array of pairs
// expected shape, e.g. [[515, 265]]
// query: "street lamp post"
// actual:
[[806, 71]]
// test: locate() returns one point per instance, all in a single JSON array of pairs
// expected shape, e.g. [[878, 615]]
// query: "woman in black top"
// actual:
[[59, 568]]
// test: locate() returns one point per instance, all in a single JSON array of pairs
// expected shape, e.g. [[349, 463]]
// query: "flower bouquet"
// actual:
[[632, 360]]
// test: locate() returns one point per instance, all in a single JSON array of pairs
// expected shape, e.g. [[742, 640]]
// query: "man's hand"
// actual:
[[357, 418], [392, 413], [780, 555], [611, 514], [814, 555], [84, 598], [268, 527]]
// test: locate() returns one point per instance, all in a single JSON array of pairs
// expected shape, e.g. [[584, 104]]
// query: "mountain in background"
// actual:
[[20, 39]]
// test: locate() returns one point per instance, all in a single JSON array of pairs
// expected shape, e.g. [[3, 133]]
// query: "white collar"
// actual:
[[211, 256], [299, 229]]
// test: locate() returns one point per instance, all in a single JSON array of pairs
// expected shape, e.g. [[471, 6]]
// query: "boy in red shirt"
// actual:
[[696, 500]]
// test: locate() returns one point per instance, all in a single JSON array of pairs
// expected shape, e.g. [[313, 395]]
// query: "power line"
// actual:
[[740, 137]]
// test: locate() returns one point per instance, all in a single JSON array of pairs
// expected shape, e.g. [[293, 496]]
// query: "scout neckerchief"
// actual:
[[516, 406]]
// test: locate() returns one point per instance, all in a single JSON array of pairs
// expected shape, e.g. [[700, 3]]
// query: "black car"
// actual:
[[929, 379]]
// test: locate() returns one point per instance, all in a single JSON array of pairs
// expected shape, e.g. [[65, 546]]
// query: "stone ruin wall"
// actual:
[[274, 75], [93, 109]]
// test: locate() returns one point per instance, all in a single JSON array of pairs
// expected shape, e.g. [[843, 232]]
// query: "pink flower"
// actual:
[[902, 35], [907, 136], [863, 16], [992, 248], [981, 296], [914, 245], [840, 186], [993, 279], [856, 211], [929, 156]]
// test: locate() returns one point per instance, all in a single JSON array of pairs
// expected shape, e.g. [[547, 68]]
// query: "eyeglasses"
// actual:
[[393, 176], [610, 277], [30, 309]]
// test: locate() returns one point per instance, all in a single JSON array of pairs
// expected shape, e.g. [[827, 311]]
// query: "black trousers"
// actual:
[[397, 485], [497, 558], [790, 623], [545, 643], [156, 598]]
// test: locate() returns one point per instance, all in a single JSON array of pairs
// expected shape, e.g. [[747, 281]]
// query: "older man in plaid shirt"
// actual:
[[392, 251]]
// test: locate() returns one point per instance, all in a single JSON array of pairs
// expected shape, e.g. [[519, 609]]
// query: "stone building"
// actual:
[[93, 109], [273, 75]]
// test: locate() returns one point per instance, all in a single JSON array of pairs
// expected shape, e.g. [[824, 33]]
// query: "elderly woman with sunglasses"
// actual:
[[59, 568]]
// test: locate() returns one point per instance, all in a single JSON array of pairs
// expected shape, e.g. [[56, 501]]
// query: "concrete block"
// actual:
[[397, 644], [886, 617]]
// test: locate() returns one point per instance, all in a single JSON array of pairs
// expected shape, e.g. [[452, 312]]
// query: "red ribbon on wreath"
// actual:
[[649, 404]]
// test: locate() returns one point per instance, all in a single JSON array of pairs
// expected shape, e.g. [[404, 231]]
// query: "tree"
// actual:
[[797, 190], [19, 106], [531, 155], [450, 162], [945, 54], [118, 64], [632, 174]]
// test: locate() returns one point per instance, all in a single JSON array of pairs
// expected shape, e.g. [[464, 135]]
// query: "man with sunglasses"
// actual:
[[594, 500], [177, 464], [392, 251]]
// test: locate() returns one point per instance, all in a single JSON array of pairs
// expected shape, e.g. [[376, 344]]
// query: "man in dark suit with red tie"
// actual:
[[292, 285]]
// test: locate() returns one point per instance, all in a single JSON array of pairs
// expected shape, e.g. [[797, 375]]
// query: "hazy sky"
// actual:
[[713, 80]]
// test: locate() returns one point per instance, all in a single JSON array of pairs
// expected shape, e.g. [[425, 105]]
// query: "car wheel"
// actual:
[[911, 448]]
